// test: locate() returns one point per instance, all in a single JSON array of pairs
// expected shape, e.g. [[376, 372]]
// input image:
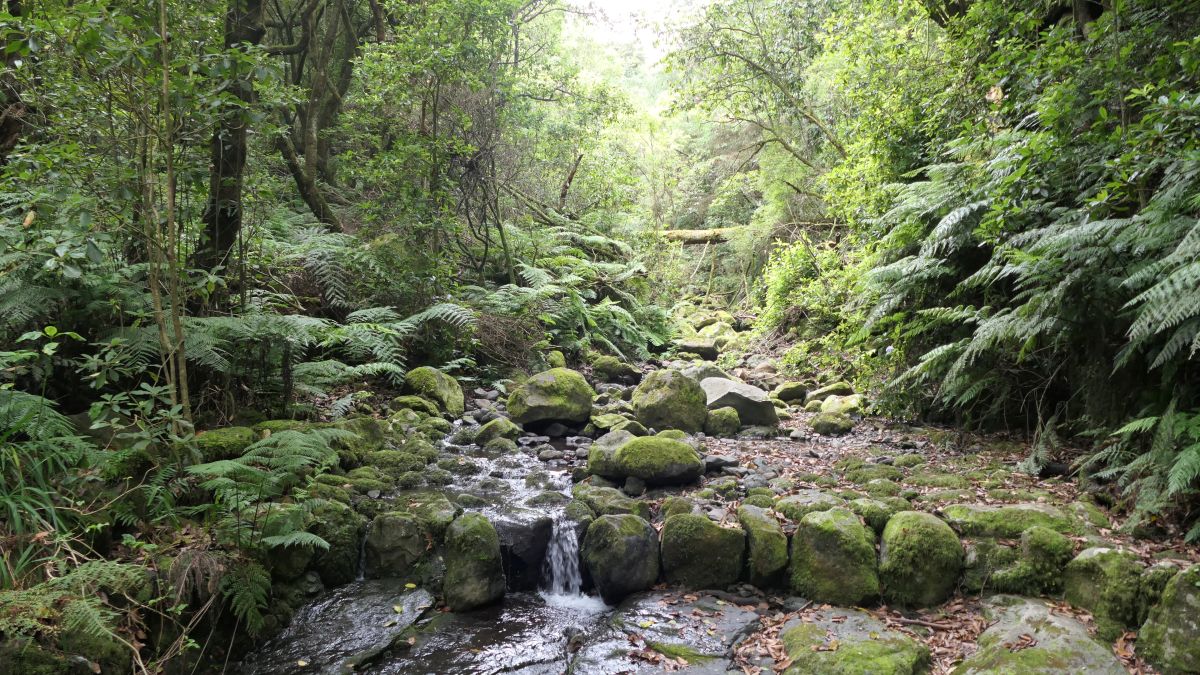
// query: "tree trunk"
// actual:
[[223, 214], [13, 110]]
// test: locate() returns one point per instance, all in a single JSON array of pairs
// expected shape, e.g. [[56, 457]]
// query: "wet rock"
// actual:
[[1060, 643], [1104, 581], [1170, 638], [609, 501], [556, 395], [831, 424], [621, 555], [920, 560], [850, 641], [501, 427], [701, 630], [751, 403], [767, 545], [722, 422], [438, 387], [395, 547], [474, 567], [698, 553], [666, 399], [557, 430], [550, 454], [367, 619], [833, 559]]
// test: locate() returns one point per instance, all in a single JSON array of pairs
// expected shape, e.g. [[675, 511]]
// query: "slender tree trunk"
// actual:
[[223, 214], [13, 110]]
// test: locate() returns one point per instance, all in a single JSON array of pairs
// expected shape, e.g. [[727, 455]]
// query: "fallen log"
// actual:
[[698, 237]]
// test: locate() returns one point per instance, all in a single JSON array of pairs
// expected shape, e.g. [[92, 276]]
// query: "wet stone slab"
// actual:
[[649, 628]]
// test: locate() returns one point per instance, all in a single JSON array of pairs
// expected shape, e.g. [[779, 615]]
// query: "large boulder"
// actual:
[[920, 560], [524, 537], [1008, 521], [833, 559], [667, 399], [501, 427], [698, 553], [850, 642], [705, 348], [658, 461], [704, 370], [767, 546], [396, 546], [602, 454], [831, 424], [1059, 644], [790, 391], [1170, 638], [843, 405], [556, 395], [1104, 581], [438, 387], [621, 555], [341, 527], [722, 422], [612, 369], [474, 569], [751, 403]]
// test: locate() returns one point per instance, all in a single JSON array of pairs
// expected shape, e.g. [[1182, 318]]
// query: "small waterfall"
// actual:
[[362, 559], [562, 576]]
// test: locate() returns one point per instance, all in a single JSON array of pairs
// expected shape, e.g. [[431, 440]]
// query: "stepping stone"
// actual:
[[841, 640]]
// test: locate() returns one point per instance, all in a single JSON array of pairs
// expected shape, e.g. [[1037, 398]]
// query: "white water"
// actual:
[[562, 575]]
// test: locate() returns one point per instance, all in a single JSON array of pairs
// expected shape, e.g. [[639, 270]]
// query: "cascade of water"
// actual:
[[362, 559], [562, 576]]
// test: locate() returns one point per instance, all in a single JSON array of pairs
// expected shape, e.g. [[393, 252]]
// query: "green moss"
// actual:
[[555, 359], [501, 427], [722, 422], [621, 554], [667, 399], [474, 568], [438, 387], [796, 506], [410, 479], [870, 472], [766, 546], [417, 404], [341, 528], [760, 500], [675, 505], [610, 501], [1105, 582], [556, 394], [612, 369], [831, 424], [921, 561], [812, 651], [395, 462], [438, 477], [1008, 521], [835, 389], [459, 466], [675, 434], [874, 512], [882, 487], [272, 426], [833, 559], [1170, 638], [1044, 554], [678, 651], [227, 443], [698, 553], [908, 460], [659, 460], [939, 480]]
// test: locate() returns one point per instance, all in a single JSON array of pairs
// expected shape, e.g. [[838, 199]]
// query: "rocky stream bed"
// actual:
[[689, 520]]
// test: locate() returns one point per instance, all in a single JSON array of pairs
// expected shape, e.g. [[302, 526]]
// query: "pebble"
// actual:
[[884, 460], [717, 514]]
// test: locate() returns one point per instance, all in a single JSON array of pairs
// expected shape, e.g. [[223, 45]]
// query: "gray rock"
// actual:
[[752, 404], [715, 462], [842, 640], [524, 535], [474, 568], [1062, 643]]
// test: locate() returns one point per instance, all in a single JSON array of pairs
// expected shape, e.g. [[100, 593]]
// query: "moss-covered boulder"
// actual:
[[667, 399], [920, 560], [794, 507], [722, 422], [822, 393], [556, 395], [1059, 644], [698, 553], [790, 391], [766, 545], [602, 454], [621, 555], [1008, 521], [556, 359], [658, 461], [438, 387], [1152, 584], [612, 369], [869, 472], [341, 527], [501, 427], [433, 510], [1044, 554], [418, 404], [227, 443], [675, 505], [833, 559], [831, 424], [1170, 638], [395, 545], [1104, 581], [705, 348], [394, 463], [874, 512], [606, 501], [850, 642], [844, 405], [474, 568]]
